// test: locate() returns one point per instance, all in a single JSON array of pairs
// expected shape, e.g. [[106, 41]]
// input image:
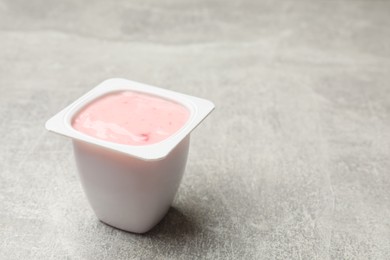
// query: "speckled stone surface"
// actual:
[[294, 163]]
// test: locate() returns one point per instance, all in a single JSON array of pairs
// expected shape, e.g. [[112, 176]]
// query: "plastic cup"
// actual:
[[130, 187]]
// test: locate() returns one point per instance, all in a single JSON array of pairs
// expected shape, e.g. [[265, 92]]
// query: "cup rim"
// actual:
[[199, 109]]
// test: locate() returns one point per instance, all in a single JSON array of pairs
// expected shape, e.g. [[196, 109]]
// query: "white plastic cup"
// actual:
[[130, 187]]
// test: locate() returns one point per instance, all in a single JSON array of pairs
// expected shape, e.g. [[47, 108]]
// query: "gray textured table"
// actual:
[[293, 164]]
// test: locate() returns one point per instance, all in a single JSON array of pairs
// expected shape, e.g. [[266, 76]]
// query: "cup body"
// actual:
[[127, 192]]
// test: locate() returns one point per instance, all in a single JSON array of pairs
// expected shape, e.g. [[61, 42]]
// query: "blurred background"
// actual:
[[292, 164]]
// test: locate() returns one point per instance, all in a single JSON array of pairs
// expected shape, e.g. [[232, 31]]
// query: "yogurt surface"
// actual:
[[131, 118]]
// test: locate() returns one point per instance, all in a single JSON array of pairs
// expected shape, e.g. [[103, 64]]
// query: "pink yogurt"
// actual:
[[131, 118]]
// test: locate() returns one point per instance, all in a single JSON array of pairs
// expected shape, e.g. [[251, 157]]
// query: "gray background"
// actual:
[[293, 163]]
